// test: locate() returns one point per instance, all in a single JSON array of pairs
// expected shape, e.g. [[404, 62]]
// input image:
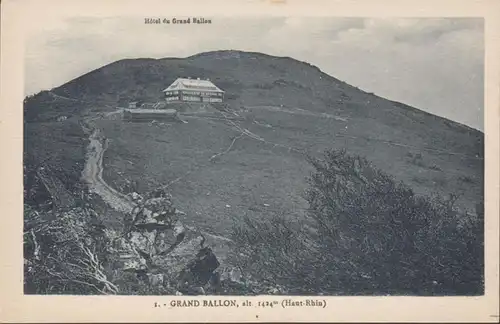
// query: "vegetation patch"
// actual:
[[366, 234], [56, 149]]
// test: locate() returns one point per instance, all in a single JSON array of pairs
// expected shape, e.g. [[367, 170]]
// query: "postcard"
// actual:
[[250, 161]]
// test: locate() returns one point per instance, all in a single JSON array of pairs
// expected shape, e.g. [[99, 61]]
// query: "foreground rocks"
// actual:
[[160, 250], [152, 229], [154, 255]]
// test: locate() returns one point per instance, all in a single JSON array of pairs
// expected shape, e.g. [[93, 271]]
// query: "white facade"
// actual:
[[192, 90]]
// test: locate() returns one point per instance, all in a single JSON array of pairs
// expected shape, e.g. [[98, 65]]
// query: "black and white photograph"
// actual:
[[254, 156], [224, 160]]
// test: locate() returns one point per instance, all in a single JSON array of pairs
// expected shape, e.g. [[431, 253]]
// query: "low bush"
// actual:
[[65, 253], [365, 234]]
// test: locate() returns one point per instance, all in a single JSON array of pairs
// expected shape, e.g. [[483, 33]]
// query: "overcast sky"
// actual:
[[432, 64]]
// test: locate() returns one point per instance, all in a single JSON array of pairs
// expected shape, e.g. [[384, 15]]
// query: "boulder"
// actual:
[[183, 253], [199, 272], [156, 244], [156, 280], [231, 274], [152, 230]]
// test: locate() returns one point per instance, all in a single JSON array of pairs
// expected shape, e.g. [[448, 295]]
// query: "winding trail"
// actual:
[[92, 176], [297, 111]]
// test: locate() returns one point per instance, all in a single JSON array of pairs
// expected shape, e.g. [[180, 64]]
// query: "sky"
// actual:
[[434, 64]]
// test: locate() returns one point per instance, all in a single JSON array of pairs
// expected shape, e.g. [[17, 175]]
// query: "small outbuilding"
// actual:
[[140, 114], [134, 104]]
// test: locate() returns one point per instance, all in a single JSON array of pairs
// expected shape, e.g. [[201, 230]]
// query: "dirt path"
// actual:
[[92, 176], [297, 111]]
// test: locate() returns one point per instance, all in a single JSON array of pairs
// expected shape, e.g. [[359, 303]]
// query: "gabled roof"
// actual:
[[193, 84]]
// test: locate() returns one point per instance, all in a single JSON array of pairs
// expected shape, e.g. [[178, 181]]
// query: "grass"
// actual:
[[367, 235], [58, 145], [244, 177], [418, 160], [373, 129], [253, 173], [252, 180]]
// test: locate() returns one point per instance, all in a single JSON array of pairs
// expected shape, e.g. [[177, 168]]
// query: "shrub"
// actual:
[[275, 253], [369, 235], [65, 253]]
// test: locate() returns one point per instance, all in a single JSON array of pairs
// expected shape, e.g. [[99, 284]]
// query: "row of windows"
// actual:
[[195, 93], [190, 98], [212, 100], [205, 94]]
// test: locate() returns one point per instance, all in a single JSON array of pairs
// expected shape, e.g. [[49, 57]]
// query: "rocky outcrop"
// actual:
[[155, 254], [199, 274], [160, 250], [152, 230]]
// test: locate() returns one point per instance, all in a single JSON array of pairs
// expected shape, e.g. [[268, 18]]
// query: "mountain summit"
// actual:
[[365, 122], [252, 79], [249, 177]]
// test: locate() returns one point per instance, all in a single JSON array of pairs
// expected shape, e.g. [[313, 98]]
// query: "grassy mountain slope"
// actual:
[[430, 153], [254, 79], [253, 169]]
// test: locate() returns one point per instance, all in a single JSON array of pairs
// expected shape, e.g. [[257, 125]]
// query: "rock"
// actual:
[[204, 263], [154, 228], [156, 243], [230, 279], [231, 274], [143, 241], [156, 279], [142, 274], [178, 228], [198, 271], [129, 259], [181, 255], [135, 196], [179, 212]]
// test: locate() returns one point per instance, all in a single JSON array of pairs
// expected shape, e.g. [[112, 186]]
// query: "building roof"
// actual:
[[193, 84]]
